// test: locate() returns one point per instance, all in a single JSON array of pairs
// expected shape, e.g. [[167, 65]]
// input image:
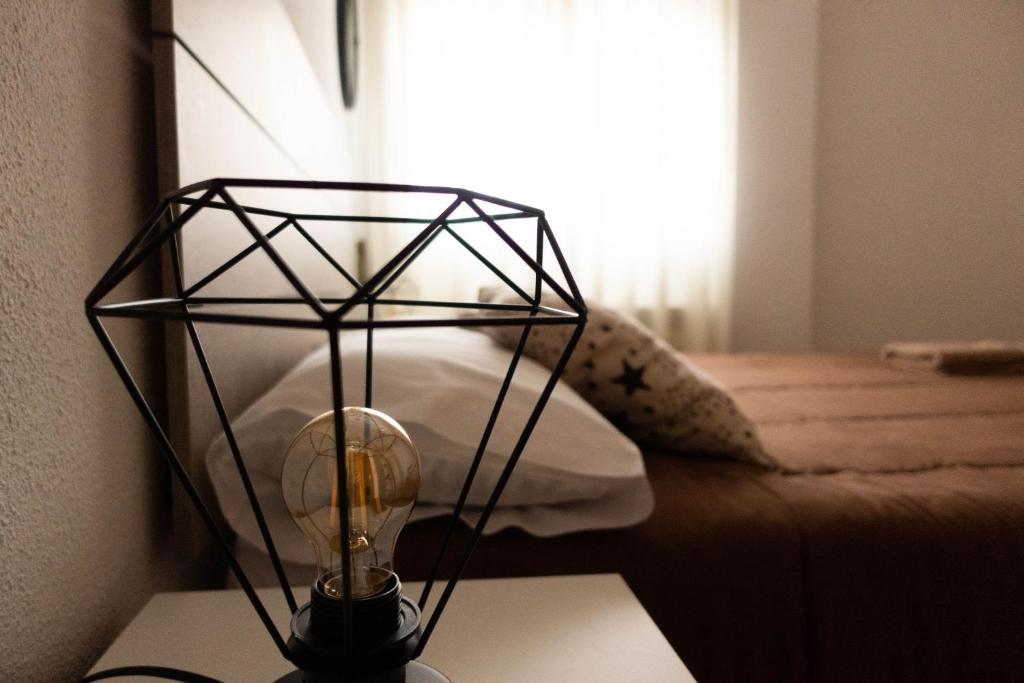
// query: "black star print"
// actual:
[[631, 379]]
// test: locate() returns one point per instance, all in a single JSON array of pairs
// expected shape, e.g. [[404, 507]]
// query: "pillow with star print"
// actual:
[[644, 386]]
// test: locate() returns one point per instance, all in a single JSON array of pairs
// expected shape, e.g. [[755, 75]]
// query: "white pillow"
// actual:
[[577, 471]]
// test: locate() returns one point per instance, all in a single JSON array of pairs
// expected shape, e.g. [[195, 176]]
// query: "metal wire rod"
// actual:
[[538, 283], [566, 273], [268, 321], [263, 301], [574, 304], [201, 317], [450, 322], [149, 226], [201, 185], [338, 401], [254, 210], [467, 483], [250, 492], [492, 502], [229, 433], [494, 269], [323, 252], [224, 267], [335, 185], [498, 201], [179, 470], [348, 218], [497, 217], [368, 375], [130, 265], [405, 264], [358, 187], [281, 264], [371, 284]]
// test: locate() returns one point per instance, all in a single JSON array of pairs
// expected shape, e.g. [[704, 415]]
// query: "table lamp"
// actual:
[[351, 476]]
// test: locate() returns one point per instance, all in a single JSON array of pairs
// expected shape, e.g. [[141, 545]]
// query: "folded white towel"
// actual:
[[962, 357]]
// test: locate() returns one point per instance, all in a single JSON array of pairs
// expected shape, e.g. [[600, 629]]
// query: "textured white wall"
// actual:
[[82, 521]]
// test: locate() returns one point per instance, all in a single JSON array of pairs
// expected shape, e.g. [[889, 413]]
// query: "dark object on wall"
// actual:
[[348, 50], [392, 654]]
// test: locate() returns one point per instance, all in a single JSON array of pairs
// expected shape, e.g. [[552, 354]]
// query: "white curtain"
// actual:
[[616, 117]]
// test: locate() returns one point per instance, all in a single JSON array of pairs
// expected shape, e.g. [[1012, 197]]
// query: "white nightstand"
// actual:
[[560, 629]]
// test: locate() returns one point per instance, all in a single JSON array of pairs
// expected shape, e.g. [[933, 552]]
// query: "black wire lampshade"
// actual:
[[356, 647]]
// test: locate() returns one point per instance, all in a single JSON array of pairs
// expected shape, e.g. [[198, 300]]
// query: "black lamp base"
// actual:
[[413, 672]]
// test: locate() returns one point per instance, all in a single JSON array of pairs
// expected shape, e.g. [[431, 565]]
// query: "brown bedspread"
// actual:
[[891, 547], [826, 413]]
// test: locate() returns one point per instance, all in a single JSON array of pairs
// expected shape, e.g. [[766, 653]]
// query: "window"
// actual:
[[617, 118]]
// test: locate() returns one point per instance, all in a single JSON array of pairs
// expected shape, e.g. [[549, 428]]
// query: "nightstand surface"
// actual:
[[527, 630]]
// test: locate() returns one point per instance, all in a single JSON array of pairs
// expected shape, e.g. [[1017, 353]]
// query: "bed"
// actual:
[[890, 547], [894, 543]]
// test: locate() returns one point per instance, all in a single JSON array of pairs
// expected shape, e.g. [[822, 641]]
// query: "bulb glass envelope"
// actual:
[[312, 302], [383, 478]]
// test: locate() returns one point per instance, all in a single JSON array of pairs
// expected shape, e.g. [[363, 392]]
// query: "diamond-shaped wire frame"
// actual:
[[332, 315]]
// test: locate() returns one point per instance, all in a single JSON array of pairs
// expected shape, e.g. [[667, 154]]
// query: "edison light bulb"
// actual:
[[383, 470]]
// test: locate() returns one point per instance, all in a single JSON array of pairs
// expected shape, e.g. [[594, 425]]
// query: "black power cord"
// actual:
[[164, 672]]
